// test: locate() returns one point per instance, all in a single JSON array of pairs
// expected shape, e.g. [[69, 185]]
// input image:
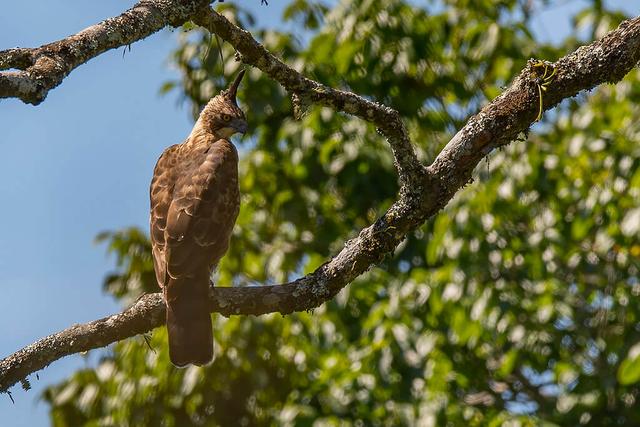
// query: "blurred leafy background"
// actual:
[[517, 305]]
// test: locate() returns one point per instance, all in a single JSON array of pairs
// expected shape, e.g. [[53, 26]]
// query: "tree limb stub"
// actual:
[[424, 191]]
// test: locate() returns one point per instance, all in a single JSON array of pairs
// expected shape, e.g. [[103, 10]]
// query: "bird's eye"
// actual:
[[226, 117]]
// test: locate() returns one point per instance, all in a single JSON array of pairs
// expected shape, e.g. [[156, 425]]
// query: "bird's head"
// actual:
[[222, 116]]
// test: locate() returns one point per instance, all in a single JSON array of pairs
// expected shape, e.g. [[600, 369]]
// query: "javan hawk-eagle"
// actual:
[[195, 201]]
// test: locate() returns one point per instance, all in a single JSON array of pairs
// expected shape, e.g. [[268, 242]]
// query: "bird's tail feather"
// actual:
[[190, 331]]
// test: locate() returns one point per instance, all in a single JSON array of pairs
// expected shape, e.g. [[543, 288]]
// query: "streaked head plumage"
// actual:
[[222, 116]]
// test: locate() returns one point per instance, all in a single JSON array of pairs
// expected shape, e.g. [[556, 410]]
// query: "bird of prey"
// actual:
[[195, 201]]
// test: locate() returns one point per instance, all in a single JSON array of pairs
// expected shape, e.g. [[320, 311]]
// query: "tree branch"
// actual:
[[388, 121], [424, 191], [45, 67]]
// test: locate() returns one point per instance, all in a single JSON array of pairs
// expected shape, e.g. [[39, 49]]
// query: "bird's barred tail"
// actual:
[[189, 328]]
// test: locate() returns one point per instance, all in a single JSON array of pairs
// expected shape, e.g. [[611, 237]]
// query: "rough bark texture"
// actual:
[[424, 190], [43, 68]]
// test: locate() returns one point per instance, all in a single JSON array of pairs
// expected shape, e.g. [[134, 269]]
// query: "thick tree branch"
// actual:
[[424, 191], [45, 67], [604, 61]]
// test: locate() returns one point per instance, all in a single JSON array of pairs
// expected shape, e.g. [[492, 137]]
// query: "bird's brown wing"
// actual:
[[162, 185], [191, 232]]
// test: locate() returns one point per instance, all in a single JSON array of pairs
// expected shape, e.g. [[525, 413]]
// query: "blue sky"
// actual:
[[81, 163]]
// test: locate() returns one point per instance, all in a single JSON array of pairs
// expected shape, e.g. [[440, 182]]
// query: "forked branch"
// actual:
[[424, 190]]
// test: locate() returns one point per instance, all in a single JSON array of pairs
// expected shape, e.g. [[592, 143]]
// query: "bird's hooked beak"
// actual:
[[241, 127], [233, 89]]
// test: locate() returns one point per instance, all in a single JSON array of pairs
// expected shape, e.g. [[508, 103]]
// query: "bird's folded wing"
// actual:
[[202, 210], [162, 185]]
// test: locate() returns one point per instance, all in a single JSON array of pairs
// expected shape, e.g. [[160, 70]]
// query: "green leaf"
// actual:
[[629, 370]]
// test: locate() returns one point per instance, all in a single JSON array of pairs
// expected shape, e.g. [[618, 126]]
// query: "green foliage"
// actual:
[[516, 305], [629, 370], [134, 275]]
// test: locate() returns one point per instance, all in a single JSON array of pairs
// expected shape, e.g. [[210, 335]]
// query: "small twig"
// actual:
[[148, 341], [220, 50]]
